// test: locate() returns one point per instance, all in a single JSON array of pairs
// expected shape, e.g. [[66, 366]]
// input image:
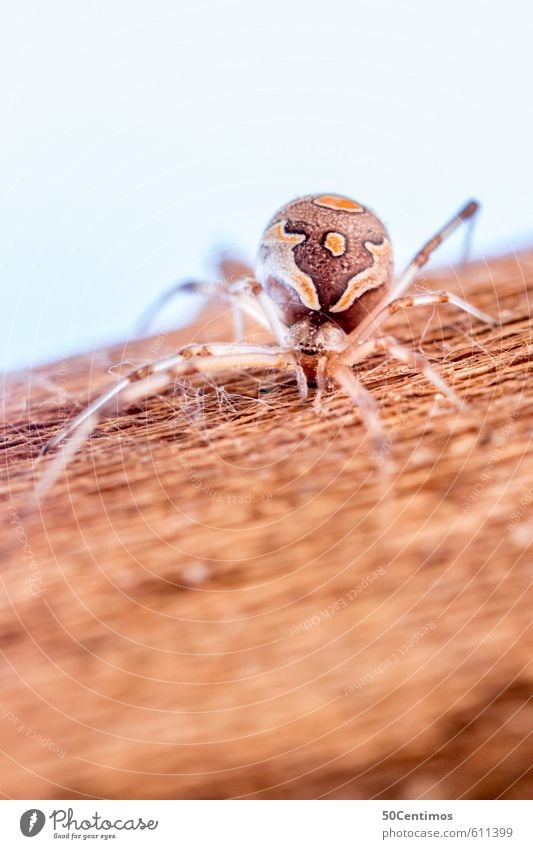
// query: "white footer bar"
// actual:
[[267, 824]]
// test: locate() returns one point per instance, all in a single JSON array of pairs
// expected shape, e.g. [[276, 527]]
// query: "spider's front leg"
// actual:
[[423, 300], [418, 362], [321, 380], [153, 377], [363, 400], [440, 297], [367, 328], [340, 370], [192, 359]]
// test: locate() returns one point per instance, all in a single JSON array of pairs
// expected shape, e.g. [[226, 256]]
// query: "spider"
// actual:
[[323, 286]]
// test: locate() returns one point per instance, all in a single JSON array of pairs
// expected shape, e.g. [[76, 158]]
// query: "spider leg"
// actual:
[[191, 359], [248, 295], [364, 401], [369, 324], [423, 300], [468, 240], [227, 268], [151, 378], [186, 287], [413, 359], [321, 383], [301, 380], [380, 440], [440, 297], [238, 323], [239, 295], [422, 256], [245, 296]]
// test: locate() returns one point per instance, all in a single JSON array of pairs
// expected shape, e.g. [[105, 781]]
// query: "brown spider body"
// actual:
[[324, 286], [324, 259]]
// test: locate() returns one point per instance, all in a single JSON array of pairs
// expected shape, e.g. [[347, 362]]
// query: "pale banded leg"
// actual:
[[153, 377], [244, 295], [238, 323], [321, 383], [423, 300], [227, 268], [369, 325], [193, 287], [413, 359], [470, 226], [364, 401], [380, 440], [192, 359], [248, 295], [183, 287]]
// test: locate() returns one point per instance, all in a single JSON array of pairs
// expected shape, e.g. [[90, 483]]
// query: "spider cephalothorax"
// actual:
[[323, 285]]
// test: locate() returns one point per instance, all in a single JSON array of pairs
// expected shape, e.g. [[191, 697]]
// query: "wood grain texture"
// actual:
[[224, 598]]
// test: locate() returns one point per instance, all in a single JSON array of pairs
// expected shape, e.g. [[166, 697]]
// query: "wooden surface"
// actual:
[[224, 598]]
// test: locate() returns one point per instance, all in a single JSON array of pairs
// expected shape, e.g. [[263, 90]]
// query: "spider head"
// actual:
[[308, 337]]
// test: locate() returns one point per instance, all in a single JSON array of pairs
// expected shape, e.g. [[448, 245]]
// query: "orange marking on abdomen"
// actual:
[[369, 278], [335, 243], [338, 202]]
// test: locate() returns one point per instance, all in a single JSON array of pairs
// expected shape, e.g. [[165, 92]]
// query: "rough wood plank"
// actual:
[[223, 598]]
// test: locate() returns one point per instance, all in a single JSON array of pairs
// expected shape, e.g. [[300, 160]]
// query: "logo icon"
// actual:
[[32, 822]]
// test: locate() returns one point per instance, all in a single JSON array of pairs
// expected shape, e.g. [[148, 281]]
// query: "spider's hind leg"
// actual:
[[227, 270], [182, 287]]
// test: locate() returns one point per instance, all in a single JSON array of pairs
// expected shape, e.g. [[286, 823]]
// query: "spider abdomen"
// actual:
[[326, 258]]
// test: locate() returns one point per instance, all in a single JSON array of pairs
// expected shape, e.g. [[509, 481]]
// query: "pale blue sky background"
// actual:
[[137, 137]]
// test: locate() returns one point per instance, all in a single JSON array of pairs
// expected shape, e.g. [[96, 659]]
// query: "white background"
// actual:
[[139, 138]]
